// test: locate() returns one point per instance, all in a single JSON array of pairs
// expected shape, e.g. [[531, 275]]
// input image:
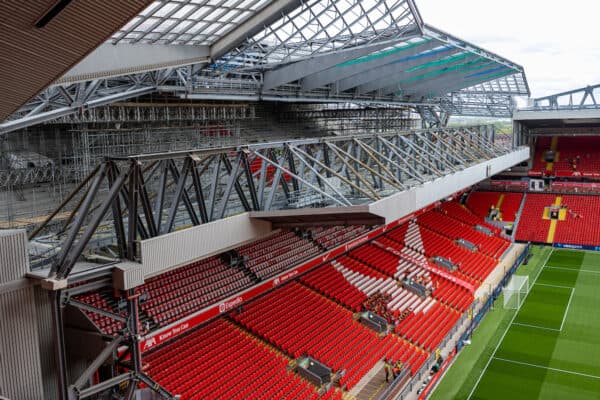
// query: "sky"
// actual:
[[556, 41]]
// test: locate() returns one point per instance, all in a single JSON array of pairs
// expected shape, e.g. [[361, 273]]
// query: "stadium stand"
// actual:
[[578, 227], [267, 258], [104, 300], [577, 155], [333, 284], [489, 244], [314, 314], [300, 321], [221, 361], [474, 265], [333, 236], [459, 212], [582, 224], [508, 203]]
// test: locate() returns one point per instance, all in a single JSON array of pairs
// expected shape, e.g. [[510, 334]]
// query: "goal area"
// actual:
[[515, 292]]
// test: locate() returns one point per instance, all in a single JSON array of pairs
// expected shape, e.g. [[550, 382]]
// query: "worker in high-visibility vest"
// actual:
[[388, 369]]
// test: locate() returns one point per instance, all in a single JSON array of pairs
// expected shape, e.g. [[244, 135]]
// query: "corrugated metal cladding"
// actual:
[[32, 58], [20, 366], [43, 309], [14, 262], [128, 275], [167, 251]]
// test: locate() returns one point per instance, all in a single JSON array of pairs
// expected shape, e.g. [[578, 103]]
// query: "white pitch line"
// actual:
[[507, 328], [556, 286], [536, 327], [567, 309], [573, 269], [549, 368]]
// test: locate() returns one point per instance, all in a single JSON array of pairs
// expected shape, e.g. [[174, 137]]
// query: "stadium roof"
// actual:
[[370, 51]]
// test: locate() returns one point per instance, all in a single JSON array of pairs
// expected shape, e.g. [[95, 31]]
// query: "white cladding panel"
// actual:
[[177, 248], [409, 201]]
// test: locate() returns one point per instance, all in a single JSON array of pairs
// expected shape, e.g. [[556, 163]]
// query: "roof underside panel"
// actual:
[[187, 22], [33, 57], [364, 52]]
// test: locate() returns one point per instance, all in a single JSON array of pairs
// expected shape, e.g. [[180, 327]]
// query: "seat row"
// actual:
[[491, 245], [331, 237], [300, 321], [220, 361], [480, 201]]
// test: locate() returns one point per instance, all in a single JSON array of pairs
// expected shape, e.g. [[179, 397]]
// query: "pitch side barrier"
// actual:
[[575, 246], [492, 298], [184, 325], [474, 324]]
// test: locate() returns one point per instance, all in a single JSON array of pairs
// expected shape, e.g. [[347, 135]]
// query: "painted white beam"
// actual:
[[574, 115], [253, 25], [111, 60], [165, 252], [404, 203]]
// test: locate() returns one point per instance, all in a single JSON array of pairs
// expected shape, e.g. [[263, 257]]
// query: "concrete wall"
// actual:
[[177, 248]]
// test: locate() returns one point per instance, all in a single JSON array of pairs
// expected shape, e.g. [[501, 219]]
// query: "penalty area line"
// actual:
[[567, 309], [548, 368], [536, 327]]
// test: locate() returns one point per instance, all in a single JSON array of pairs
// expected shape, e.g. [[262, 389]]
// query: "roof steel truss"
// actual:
[[144, 196]]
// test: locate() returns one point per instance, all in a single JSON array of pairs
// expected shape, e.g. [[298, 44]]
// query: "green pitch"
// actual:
[[549, 349]]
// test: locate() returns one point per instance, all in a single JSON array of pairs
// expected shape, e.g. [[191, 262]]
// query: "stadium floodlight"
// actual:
[[515, 292]]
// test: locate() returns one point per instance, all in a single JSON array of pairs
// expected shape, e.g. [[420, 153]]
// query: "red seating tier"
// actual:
[[489, 244], [532, 227], [428, 329], [219, 361], [300, 321], [582, 224], [277, 253], [333, 236], [457, 211], [331, 282]]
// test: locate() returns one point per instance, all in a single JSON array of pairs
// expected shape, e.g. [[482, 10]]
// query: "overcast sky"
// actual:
[[556, 41]]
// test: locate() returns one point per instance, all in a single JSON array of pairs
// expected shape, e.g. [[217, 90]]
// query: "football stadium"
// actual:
[[288, 199]]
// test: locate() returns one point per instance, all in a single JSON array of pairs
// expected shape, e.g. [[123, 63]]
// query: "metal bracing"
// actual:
[[122, 350], [127, 199], [579, 99], [285, 50]]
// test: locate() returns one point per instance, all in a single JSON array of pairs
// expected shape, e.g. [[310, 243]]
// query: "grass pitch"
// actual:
[[549, 349]]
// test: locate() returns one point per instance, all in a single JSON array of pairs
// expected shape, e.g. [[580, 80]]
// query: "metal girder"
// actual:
[[101, 95], [144, 190], [578, 99]]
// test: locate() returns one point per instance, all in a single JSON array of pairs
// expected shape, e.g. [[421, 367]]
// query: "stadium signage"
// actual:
[[159, 337], [230, 305], [576, 246]]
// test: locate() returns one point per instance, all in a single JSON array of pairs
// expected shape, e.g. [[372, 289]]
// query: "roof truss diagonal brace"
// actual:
[[340, 200], [404, 156], [424, 158], [304, 156]]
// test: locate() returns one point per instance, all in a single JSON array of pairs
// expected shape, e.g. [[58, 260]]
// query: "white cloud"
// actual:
[[554, 40]]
